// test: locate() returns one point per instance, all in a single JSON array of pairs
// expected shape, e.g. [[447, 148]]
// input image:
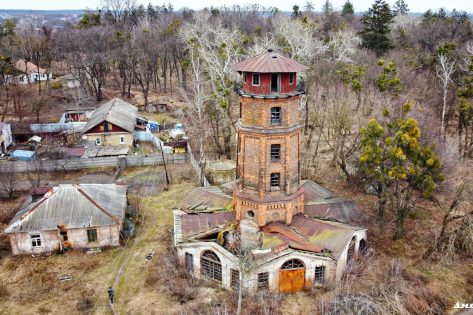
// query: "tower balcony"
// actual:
[[299, 90]]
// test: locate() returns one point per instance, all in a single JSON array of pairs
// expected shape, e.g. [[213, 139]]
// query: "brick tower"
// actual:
[[269, 135]]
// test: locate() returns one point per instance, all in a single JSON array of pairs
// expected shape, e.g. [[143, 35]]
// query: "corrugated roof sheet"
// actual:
[[269, 62], [115, 111], [337, 209], [206, 198], [74, 206], [313, 234], [193, 224]]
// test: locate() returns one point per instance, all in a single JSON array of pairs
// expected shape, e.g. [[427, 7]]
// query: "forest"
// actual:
[[388, 117]]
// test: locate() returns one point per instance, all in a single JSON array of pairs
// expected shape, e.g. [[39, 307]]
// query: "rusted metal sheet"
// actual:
[[269, 62], [193, 224], [291, 280]]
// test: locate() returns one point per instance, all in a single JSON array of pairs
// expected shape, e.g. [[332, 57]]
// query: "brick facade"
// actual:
[[258, 196]]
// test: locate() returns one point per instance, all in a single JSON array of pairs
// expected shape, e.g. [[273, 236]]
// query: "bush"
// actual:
[[56, 85]]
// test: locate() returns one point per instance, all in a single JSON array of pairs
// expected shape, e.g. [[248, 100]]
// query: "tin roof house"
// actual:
[[112, 125], [28, 73], [297, 234], [70, 216]]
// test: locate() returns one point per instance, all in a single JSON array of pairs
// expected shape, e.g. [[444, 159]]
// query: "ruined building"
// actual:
[[291, 234]]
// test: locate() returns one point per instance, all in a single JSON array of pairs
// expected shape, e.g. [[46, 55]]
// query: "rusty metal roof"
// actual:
[[28, 67], [310, 235], [206, 198], [269, 62], [338, 209], [288, 236], [323, 204], [74, 206], [193, 224]]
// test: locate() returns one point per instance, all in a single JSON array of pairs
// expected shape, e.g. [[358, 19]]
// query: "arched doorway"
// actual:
[[292, 276], [351, 251], [210, 265], [363, 247]]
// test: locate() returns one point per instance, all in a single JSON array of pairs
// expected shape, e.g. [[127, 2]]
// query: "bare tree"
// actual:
[[194, 112], [9, 181], [444, 72]]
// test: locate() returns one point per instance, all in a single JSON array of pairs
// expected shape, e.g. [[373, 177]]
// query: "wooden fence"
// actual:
[[77, 164]]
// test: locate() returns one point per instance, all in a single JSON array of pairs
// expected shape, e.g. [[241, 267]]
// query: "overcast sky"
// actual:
[[286, 5]]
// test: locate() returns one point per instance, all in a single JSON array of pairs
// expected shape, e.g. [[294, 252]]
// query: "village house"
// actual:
[[28, 72], [6, 138], [288, 234], [112, 124], [70, 216]]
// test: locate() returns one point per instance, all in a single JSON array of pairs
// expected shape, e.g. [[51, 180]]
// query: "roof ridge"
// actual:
[[82, 192], [38, 203]]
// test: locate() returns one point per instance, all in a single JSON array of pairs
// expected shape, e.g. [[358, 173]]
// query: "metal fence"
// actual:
[[97, 162], [158, 143]]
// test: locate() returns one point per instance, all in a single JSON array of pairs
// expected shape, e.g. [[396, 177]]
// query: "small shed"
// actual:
[[24, 155]]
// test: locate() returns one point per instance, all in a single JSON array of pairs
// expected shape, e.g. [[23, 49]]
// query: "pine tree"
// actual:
[[348, 9], [375, 35], [327, 8], [296, 12], [400, 8]]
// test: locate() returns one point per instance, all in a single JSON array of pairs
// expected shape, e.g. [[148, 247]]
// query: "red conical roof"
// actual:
[[269, 62]]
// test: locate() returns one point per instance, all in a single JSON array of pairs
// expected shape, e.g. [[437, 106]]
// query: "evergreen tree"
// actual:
[[327, 8], [394, 159], [348, 9], [375, 35], [296, 12], [400, 7]]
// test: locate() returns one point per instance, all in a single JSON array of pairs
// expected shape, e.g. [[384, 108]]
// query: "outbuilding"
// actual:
[[70, 216]]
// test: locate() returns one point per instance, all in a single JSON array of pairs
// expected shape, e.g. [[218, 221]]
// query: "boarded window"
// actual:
[[92, 235], [235, 278], [189, 262], [263, 281], [275, 152], [210, 265], [35, 240], [319, 274], [275, 115], [256, 78], [275, 179]]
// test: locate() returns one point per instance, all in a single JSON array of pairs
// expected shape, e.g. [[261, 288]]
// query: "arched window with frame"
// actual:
[[210, 265]]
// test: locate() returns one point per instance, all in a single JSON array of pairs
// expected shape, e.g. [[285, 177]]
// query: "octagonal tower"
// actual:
[[269, 135]]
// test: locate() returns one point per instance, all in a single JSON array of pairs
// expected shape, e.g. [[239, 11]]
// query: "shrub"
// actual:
[[56, 85]]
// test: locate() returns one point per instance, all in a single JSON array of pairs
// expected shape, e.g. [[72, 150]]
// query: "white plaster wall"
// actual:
[[229, 261], [342, 260], [273, 267], [106, 236]]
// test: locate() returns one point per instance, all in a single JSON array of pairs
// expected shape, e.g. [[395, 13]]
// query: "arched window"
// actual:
[[210, 265], [293, 264]]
